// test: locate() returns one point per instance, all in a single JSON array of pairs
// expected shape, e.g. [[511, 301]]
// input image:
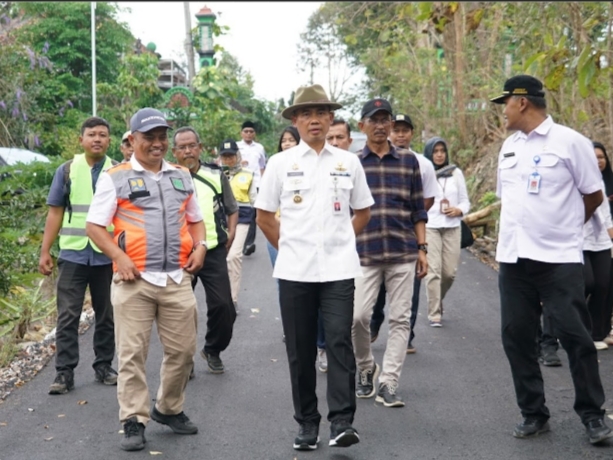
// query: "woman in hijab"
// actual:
[[443, 231]]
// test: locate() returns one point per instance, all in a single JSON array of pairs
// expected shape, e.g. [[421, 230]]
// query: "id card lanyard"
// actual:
[[534, 182], [336, 204], [444, 203]]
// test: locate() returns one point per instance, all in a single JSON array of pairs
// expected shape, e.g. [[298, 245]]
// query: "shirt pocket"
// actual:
[[341, 187], [508, 170], [549, 167], [296, 186]]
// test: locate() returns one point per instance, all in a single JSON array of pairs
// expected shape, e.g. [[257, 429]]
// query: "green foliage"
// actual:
[[22, 308], [487, 199]]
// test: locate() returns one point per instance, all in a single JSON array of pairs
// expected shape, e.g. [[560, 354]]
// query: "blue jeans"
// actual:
[[321, 337]]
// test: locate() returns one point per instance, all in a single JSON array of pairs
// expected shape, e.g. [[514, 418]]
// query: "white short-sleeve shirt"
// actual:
[[255, 156], [314, 194], [104, 205], [428, 175], [546, 226]]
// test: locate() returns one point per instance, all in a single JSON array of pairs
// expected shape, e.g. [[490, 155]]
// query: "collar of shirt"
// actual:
[[303, 148], [393, 152], [136, 166], [541, 129]]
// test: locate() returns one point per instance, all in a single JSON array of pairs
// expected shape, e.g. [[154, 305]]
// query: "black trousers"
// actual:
[[301, 303], [560, 288], [378, 315], [597, 275], [73, 280], [220, 310]]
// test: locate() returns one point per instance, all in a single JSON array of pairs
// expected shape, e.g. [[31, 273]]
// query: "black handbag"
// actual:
[[467, 238]]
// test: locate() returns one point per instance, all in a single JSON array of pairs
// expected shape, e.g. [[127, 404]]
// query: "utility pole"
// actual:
[[93, 26], [189, 47]]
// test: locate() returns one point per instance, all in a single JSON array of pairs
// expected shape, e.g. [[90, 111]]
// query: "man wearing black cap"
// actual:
[[549, 185], [220, 213], [254, 159], [158, 244], [401, 136], [392, 250], [315, 186]]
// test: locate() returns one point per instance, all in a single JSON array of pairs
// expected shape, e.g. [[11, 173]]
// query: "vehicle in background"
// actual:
[[358, 142], [10, 156]]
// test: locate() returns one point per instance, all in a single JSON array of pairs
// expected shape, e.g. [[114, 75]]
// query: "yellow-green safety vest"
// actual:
[[209, 199]]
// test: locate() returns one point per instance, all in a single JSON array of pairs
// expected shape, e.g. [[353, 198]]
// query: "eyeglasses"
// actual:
[[379, 121], [183, 148]]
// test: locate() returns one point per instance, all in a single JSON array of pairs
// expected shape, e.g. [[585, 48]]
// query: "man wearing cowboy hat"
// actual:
[[315, 185]]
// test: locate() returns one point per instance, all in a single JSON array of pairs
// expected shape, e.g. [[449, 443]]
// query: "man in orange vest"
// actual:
[[158, 244]]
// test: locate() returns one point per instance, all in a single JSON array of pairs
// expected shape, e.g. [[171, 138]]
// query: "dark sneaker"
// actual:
[[106, 374], [387, 395], [178, 423], [249, 249], [214, 362], [411, 349], [342, 434], [134, 435], [308, 437], [374, 334], [550, 358], [63, 383], [191, 373], [365, 387], [598, 431], [531, 426]]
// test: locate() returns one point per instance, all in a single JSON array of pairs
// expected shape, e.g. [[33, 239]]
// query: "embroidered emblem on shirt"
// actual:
[[177, 183], [340, 167], [295, 167], [137, 184]]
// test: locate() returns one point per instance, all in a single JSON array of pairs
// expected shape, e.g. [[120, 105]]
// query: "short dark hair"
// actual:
[[184, 129], [538, 102], [92, 122], [340, 121]]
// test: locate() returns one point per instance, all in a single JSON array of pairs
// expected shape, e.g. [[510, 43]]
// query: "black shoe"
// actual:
[[531, 426], [365, 387], [106, 374], [373, 336], [598, 431], [342, 434], [134, 435], [191, 373], [411, 349], [214, 362], [63, 383], [249, 250], [550, 358], [308, 436], [178, 423], [387, 395]]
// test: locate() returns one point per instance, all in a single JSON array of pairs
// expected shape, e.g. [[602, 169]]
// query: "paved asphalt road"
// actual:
[[460, 399]]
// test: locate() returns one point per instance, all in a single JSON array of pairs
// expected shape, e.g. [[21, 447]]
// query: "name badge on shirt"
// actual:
[[534, 183]]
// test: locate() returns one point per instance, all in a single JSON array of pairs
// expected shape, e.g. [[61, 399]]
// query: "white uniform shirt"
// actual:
[[255, 156], [547, 226], [104, 205], [316, 244], [454, 190], [428, 175], [595, 234]]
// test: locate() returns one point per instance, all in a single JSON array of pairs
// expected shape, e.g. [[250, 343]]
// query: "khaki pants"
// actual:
[[235, 259], [443, 260], [136, 306], [399, 285]]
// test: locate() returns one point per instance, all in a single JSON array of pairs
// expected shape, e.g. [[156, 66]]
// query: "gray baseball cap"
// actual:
[[147, 119]]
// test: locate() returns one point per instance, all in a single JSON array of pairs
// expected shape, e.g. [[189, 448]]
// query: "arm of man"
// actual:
[[591, 203], [421, 268], [269, 225], [53, 224], [360, 219], [428, 202]]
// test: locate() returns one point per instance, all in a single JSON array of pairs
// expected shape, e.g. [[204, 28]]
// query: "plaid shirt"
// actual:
[[395, 184]]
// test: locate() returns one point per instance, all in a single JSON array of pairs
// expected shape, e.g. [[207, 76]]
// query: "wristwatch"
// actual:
[[201, 243], [423, 247]]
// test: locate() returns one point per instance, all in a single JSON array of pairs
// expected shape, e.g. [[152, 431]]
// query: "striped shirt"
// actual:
[[395, 184]]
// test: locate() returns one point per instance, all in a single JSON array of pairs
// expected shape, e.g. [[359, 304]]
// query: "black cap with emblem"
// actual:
[[520, 85]]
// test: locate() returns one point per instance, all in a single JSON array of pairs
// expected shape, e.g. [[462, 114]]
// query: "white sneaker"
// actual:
[[608, 339], [322, 360], [601, 346]]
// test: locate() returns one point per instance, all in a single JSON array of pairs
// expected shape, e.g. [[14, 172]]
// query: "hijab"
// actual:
[[444, 170], [232, 171]]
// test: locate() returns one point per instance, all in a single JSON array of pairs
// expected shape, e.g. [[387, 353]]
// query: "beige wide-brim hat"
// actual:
[[309, 96]]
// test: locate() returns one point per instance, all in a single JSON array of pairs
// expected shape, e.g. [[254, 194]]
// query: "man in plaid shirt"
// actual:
[[392, 248]]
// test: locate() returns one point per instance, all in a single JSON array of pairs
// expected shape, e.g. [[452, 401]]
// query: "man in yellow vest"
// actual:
[[81, 264], [220, 213]]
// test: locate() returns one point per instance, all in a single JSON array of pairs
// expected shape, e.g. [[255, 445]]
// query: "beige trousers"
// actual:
[[443, 260], [235, 259], [136, 305], [399, 285]]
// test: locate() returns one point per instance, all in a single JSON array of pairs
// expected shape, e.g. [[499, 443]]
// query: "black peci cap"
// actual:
[[520, 85]]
